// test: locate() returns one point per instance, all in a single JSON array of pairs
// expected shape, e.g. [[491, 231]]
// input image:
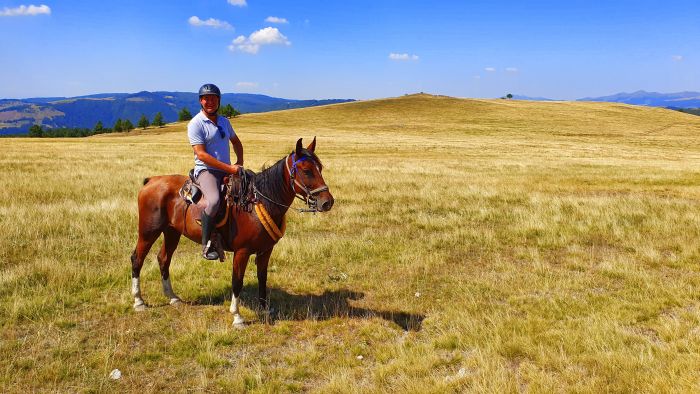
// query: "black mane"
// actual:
[[268, 181]]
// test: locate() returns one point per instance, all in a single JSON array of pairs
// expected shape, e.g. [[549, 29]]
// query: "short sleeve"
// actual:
[[195, 133]]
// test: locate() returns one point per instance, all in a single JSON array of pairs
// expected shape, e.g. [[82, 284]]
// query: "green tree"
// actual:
[[143, 122], [184, 114], [118, 126], [127, 126], [227, 111], [509, 96], [36, 131], [99, 128], [158, 120]]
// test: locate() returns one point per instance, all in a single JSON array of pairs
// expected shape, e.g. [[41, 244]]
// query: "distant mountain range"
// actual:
[[528, 98], [682, 100], [17, 116], [650, 99], [653, 99]]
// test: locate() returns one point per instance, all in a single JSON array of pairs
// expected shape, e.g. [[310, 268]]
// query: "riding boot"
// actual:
[[208, 250]]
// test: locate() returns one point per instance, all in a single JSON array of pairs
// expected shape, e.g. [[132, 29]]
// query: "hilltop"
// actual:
[[425, 115], [429, 114]]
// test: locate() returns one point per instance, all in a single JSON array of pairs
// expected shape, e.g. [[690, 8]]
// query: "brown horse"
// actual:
[[162, 210]]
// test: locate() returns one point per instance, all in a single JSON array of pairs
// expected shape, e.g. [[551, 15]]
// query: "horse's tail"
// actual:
[[145, 180]]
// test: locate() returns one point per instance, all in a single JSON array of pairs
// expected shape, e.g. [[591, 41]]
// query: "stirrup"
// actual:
[[209, 253]]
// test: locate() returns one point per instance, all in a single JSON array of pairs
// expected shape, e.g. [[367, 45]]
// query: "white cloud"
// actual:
[[246, 84], [677, 58], [490, 69], [275, 19], [241, 43], [268, 36], [511, 69], [402, 57], [211, 22], [252, 43], [238, 3], [24, 10], [477, 77]]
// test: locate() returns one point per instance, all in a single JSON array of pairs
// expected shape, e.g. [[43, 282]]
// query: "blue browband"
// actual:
[[295, 162]]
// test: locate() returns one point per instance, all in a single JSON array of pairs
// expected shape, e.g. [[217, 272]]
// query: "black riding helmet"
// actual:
[[209, 88]]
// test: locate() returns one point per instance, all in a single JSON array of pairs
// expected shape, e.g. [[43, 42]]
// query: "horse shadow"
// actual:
[[301, 307]]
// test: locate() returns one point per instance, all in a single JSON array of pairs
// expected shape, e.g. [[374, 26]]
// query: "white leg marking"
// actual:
[[168, 291], [238, 321], [139, 305]]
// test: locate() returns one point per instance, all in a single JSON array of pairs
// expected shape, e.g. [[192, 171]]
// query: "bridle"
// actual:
[[301, 191]]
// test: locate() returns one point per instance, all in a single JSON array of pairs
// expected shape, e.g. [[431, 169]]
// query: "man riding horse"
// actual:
[[164, 209], [209, 134]]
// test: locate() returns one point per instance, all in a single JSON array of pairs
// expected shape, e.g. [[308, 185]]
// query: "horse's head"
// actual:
[[308, 182]]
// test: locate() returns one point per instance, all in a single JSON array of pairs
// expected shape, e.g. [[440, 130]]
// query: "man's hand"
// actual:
[[236, 169]]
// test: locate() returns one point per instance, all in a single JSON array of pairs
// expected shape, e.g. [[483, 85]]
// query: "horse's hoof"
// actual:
[[238, 322], [175, 301], [139, 307]]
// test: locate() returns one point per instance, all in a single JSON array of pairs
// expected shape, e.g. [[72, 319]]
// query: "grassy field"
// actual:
[[475, 245]]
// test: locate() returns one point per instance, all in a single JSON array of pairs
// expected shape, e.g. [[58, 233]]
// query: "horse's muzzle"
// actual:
[[324, 202]]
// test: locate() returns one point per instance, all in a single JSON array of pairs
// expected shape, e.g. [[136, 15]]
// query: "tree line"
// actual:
[[692, 111], [227, 111], [120, 125]]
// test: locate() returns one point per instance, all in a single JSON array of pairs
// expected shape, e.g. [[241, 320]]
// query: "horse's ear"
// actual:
[[299, 149], [312, 145]]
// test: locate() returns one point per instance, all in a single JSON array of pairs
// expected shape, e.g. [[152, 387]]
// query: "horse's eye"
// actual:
[[308, 173]]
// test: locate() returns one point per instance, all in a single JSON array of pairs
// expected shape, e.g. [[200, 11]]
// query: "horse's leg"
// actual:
[[171, 237], [261, 261], [240, 262], [143, 245]]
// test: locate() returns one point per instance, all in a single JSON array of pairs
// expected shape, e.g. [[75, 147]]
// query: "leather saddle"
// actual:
[[236, 190]]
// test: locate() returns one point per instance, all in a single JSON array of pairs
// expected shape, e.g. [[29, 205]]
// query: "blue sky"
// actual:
[[349, 49]]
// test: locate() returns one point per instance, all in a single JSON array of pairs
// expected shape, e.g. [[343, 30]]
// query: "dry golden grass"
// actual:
[[527, 246]]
